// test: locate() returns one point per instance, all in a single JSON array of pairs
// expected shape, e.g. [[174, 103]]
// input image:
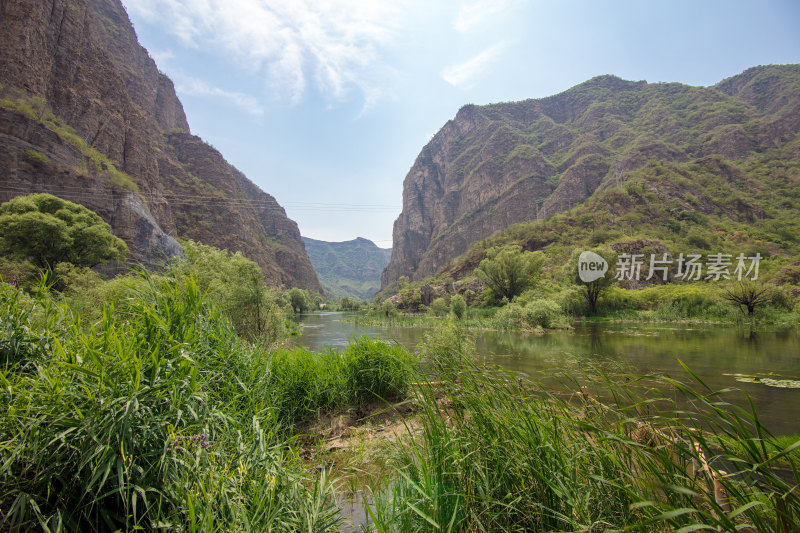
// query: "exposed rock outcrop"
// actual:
[[111, 134]]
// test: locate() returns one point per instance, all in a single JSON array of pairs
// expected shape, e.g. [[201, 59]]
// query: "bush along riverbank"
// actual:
[[515, 289], [153, 414], [554, 306]]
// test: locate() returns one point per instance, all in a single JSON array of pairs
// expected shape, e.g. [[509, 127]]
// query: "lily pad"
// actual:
[[769, 381]]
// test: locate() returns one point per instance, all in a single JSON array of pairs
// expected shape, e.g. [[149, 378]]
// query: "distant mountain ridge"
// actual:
[[349, 268], [86, 115], [498, 165]]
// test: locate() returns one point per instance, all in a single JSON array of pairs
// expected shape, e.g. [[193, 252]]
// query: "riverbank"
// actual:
[[158, 415], [394, 460], [754, 361]]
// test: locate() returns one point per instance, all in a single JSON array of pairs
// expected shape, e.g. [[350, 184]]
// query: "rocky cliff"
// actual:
[[349, 268], [497, 165], [86, 115]]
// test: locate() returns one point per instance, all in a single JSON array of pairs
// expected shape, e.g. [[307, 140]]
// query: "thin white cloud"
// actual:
[[195, 87], [464, 74], [190, 85], [331, 45], [475, 12]]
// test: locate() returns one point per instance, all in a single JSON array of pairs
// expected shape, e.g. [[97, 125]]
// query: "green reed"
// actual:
[[499, 454], [146, 419]]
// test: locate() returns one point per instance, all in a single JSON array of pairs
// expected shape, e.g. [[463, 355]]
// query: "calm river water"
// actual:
[[716, 354]]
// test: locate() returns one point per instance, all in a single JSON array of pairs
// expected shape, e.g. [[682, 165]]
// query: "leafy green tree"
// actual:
[[594, 289], [236, 284], [348, 304], [300, 299], [388, 308], [48, 230], [317, 301], [458, 306], [508, 271]]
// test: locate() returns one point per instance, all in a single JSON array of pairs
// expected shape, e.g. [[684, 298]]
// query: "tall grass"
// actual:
[[153, 414], [21, 344], [302, 384], [146, 420], [498, 455]]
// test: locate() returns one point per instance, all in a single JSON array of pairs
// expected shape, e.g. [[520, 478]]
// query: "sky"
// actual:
[[325, 104]]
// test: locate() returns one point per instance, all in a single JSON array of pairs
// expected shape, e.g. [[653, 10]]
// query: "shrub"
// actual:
[[51, 230], [543, 313], [509, 271], [388, 309], [445, 348], [458, 306], [699, 241], [571, 300], [601, 236], [375, 369], [237, 285], [35, 159], [511, 316], [438, 306], [300, 300]]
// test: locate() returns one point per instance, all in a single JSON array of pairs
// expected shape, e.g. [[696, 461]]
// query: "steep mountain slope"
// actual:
[[86, 115], [497, 165], [350, 268]]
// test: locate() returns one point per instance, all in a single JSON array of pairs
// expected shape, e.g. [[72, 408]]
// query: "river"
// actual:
[[720, 356]]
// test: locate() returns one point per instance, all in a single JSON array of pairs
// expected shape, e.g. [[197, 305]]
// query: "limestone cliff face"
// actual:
[[111, 134], [496, 165]]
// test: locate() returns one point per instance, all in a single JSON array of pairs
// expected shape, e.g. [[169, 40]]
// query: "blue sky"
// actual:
[[325, 104]]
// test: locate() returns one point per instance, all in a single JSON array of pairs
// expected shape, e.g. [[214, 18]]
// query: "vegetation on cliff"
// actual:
[[50, 230], [350, 269], [707, 206]]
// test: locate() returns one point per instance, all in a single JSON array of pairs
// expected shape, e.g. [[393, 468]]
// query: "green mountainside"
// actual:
[[658, 167], [350, 268]]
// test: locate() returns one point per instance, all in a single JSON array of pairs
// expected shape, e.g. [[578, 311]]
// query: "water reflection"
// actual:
[[713, 353]]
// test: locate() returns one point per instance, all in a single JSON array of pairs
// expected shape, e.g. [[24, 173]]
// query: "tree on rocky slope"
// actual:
[[48, 230], [508, 271]]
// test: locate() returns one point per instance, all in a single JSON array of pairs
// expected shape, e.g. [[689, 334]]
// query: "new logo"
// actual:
[[591, 267]]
